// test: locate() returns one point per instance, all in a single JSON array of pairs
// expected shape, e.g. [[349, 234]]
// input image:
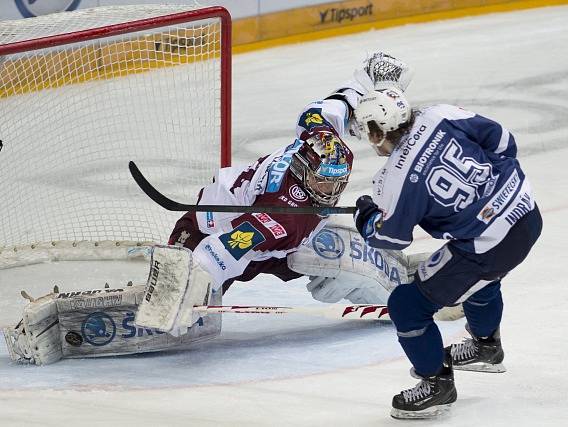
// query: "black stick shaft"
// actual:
[[172, 205]]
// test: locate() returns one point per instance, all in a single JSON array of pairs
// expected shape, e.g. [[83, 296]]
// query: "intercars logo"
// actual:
[[32, 8]]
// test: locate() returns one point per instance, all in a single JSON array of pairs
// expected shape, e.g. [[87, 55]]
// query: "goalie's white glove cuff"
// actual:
[[363, 81]]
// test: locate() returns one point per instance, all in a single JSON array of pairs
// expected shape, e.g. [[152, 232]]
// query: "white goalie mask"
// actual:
[[323, 165], [384, 109]]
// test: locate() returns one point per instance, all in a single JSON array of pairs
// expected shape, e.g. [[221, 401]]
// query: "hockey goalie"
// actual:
[[208, 251]]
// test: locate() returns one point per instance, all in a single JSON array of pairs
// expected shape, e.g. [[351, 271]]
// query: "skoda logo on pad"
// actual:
[[328, 244], [32, 8], [98, 329]]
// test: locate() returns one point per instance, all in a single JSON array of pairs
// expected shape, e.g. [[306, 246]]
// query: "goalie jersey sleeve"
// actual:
[[456, 176], [329, 112]]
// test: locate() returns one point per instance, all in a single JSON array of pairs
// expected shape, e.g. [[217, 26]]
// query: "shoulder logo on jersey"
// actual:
[[328, 244], [297, 194], [311, 118], [184, 235], [275, 228], [280, 165], [241, 239], [431, 150]]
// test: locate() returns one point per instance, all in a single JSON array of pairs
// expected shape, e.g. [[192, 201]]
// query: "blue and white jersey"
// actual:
[[456, 175]]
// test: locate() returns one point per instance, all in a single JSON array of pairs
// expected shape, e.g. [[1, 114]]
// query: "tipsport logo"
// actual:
[[33, 8]]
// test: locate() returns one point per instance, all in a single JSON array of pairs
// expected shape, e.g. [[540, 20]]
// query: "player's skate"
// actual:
[[431, 397], [479, 354]]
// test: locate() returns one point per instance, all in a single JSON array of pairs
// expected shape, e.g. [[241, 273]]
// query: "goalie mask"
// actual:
[[323, 165]]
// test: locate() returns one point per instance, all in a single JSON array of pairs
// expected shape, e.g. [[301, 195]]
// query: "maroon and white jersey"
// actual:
[[233, 246]]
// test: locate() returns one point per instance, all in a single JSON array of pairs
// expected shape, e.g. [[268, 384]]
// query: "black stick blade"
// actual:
[[172, 205]]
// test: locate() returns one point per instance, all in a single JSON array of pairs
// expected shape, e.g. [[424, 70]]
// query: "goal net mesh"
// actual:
[[74, 114]]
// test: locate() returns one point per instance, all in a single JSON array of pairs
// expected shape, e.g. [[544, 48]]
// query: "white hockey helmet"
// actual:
[[386, 109]]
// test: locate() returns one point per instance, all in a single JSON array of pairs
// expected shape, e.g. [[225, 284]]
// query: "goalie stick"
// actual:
[[172, 205], [349, 312]]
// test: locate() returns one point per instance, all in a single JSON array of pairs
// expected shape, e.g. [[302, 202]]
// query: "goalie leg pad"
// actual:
[[35, 339], [96, 323], [176, 283]]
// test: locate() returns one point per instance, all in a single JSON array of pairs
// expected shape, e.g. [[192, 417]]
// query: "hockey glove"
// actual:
[[366, 215]]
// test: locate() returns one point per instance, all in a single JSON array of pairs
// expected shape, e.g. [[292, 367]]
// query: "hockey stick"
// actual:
[[172, 205], [349, 312]]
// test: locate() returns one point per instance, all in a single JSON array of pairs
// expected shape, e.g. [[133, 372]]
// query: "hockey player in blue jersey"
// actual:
[[455, 174]]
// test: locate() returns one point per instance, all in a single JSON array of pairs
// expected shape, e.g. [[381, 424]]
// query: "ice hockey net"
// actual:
[[84, 92]]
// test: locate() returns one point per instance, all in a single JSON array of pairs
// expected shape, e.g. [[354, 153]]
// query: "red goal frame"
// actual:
[[150, 23]]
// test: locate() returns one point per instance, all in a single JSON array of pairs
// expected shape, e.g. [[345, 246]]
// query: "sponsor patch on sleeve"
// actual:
[[312, 117], [241, 239], [275, 228]]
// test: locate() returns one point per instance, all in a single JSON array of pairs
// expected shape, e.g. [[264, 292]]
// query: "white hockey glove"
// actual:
[[381, 70], [175, 284]]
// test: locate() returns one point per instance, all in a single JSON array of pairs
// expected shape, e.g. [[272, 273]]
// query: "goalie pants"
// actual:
[[186, 233], [474, 279]]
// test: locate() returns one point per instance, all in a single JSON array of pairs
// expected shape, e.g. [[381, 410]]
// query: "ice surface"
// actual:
[[298, 370]]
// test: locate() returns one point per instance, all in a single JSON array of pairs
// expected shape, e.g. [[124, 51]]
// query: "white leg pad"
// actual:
[[175, 284]]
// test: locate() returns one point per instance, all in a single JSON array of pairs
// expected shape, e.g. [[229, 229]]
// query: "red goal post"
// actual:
[[84, 92]]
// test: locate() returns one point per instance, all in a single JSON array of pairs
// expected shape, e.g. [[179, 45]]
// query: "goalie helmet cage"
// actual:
[[84, 92]]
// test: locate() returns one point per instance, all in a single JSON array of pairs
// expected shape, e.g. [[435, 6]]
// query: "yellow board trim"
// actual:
[[239, 25], [99, 63]]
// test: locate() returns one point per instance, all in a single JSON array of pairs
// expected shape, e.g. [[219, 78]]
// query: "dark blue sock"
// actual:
[[484, 309], [418, 335]]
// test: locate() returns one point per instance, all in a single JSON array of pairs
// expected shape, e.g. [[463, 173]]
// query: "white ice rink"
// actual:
[[300, 371]]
